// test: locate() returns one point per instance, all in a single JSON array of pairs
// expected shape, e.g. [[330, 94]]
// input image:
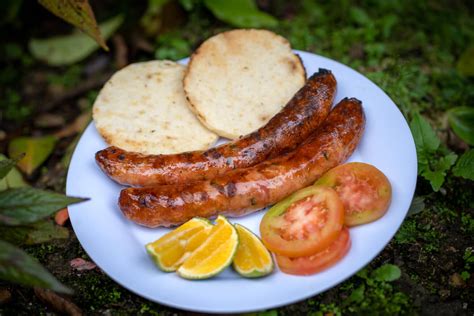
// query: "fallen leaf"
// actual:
[[5, 296], [417, 205], [69, 49], [36, 150], [121, 51], [58, 303], [19, 267], [80, 264], [79, 13], [61, 216], [48, 120], [456, 280], [79, 124]]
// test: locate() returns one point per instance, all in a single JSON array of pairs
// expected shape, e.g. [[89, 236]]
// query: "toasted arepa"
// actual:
[[142, 108], [237, 80]]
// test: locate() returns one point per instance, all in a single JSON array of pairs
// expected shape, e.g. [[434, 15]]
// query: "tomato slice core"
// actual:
[[364, 190], [319, 261], [304, 223]]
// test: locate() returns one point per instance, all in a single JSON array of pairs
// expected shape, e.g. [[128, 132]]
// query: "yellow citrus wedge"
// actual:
[[252, 259], [172, 249], [214, 254]]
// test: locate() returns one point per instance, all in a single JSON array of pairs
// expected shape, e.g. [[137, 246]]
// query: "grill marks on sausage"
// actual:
[[286, 130], [242, 191]]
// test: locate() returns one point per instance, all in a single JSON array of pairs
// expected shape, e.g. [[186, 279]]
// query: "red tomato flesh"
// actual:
[[364, 190], [319, 261], [304, 223]]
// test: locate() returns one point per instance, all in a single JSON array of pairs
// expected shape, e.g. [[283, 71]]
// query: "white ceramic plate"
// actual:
[[117, 245]]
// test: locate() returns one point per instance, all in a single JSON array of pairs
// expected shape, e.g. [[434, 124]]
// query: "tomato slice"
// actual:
[[319, 261], [364, 190], [304, 223]]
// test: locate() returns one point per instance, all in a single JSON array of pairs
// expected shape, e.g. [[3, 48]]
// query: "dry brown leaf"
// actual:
[[58, 303], [61, 216], [79, 124], [121, 51], [48, 120], [79, 13], [5, 296], [80, 264]]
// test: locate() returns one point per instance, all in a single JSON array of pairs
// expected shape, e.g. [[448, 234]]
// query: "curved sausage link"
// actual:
[[286, 130], [244, 191]]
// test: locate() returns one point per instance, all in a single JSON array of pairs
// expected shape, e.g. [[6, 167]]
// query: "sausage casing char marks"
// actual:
[[286, 130], [243, 191]]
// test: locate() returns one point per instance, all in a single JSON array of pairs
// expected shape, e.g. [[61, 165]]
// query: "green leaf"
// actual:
[[356, 296], [461, 120], [36, 233], [78, 13], [36, 150], [386, 273], [240, 13], [10, 9], [437, 172], [173, 47], [465, 165], [66, 50], [188, 5], [359, 16], [428, 149], [423, 134], [152, 20], [18, 267], [13, 179], [465, 65], [27, 205], [5, 166]]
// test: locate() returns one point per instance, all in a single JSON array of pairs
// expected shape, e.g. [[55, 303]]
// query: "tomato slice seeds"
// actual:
[[304, 223]]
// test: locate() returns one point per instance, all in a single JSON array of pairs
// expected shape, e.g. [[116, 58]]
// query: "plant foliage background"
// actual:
[[420, 52]]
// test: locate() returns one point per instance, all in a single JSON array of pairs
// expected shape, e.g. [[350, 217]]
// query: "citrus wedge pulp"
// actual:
[[172, 249], [252, 259], [214, 254]]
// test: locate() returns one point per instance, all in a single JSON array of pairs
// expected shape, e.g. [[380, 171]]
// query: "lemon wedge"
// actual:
[[172, 249], [252, 259], [214, 254]]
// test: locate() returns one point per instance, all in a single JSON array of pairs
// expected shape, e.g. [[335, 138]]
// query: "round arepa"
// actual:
[[142, 108], [238, 80]]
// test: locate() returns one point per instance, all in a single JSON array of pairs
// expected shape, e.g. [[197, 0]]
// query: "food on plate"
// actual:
[[237, 80], [172, 249], [304, 223], [252, 259], [142, 108], [214, 254], [364, 190], [286, 130], [318, 261], [244, 191]]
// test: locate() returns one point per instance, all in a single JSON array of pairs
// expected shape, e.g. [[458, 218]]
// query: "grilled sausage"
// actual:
[[286, 130], [244, 191]]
